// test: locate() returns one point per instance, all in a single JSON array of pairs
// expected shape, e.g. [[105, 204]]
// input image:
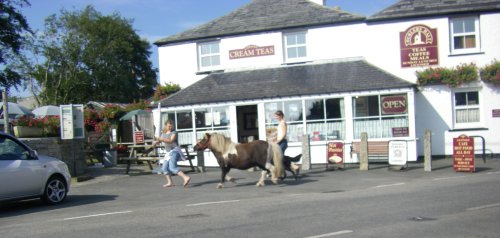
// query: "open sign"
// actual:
[[394, 104]]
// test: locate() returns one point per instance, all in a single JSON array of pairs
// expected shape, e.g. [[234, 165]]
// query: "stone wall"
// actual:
[[70, 151]]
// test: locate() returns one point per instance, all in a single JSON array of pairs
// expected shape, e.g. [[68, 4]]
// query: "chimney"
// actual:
[[320, 2]]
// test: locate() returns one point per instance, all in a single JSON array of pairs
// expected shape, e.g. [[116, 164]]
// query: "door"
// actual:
[[248, 126]]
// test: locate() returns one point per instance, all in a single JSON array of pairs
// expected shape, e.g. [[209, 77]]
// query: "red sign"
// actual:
[[335, 153], [463, 154], [251, 51], [139, 137], [400, 132], [495, 112], [418, 46], [394, 104]]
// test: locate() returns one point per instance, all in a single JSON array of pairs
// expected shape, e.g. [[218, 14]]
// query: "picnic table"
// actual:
[[148, 153]]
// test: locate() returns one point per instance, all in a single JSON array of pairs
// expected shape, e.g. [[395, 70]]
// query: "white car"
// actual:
[[24, 174]]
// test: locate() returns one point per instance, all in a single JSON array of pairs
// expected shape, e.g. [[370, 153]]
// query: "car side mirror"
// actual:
[[33, 154]]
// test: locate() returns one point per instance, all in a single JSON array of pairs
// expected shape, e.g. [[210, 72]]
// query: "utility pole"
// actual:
[[6, 125]]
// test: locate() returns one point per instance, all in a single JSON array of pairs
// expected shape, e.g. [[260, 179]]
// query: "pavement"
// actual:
[[440, 167]]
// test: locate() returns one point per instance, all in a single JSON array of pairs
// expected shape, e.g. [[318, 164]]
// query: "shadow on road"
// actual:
[[14, 208]]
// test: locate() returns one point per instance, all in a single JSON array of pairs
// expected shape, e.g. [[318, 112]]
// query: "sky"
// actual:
[[156, 19]]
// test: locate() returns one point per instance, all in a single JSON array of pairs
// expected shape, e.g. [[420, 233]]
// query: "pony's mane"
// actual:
[[221, 143]]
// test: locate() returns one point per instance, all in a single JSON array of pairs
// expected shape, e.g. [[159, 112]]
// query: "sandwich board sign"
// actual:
[[335, 153], [463, 154], [398, 152], [72, 124]]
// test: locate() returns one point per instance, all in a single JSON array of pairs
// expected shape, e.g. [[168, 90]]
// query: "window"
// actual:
[[293, 118], [464, 35], [11, 150], [295, 46], [467, 107], [381, 116], [212, 119], [209, 55], [325, 119], [205, 120]]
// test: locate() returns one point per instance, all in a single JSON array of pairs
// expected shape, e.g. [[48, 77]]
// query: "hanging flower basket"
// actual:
[[491, 73], [452, 77]]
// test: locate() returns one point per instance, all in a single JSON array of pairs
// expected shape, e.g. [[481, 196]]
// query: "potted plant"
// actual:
[[28, 127]]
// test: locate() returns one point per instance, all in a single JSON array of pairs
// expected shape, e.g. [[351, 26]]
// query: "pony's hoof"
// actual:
[[260, 184], [219, 186], [275, 181]]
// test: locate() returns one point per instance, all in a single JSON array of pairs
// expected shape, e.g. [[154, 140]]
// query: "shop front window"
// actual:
[[210, 120], [183, 124], [325, 119], [293, 118], [381, 116]]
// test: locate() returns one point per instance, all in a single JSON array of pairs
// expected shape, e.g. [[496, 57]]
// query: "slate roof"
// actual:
[[266, 15], [423, 8], [286, 81]]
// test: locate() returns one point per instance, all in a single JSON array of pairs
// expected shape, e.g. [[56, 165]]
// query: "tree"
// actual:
[[89, 56], [165, 90], [13, 26]]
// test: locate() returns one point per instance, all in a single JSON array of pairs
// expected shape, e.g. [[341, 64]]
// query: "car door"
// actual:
[[20, 174]]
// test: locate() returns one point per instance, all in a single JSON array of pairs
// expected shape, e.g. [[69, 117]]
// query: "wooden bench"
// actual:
[[376, 149]]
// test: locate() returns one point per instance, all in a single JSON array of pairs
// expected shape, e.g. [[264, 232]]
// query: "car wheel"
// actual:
[[55, 190]]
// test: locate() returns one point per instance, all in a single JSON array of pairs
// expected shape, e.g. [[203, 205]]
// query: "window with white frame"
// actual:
[[381, 116], [467, 108], [208, 55], [293, 117], [183, 124], [295, 46], [208, 119], [464, 35], [212, 119], [325, 119]]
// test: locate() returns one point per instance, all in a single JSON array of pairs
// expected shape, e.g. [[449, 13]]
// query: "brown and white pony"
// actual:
[[243, 156]]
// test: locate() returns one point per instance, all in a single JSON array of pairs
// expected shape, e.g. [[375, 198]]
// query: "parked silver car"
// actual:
[[24, 174]]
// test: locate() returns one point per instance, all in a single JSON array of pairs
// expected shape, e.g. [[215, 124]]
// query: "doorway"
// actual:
[[248, 126]]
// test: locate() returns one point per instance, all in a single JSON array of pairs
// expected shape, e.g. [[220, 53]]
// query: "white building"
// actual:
[[334, 74]]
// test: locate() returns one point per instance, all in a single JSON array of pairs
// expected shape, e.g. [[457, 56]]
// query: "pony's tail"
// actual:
[[277, 160]]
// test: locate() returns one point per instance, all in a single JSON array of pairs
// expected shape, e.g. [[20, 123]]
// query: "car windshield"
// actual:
[[11, 150]]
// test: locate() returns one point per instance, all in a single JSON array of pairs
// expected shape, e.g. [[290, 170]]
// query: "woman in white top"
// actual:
[[281, 138]]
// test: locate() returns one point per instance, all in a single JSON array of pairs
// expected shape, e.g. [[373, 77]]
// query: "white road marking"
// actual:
[[496, 172], [96, 215], [296, 194], [210, 203], [389, 185], [483, 207], [331, 234], [445, 178]]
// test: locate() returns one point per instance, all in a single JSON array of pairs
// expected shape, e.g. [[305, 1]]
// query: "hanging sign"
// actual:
[[139, 137], [418, 46], [463, 154]]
